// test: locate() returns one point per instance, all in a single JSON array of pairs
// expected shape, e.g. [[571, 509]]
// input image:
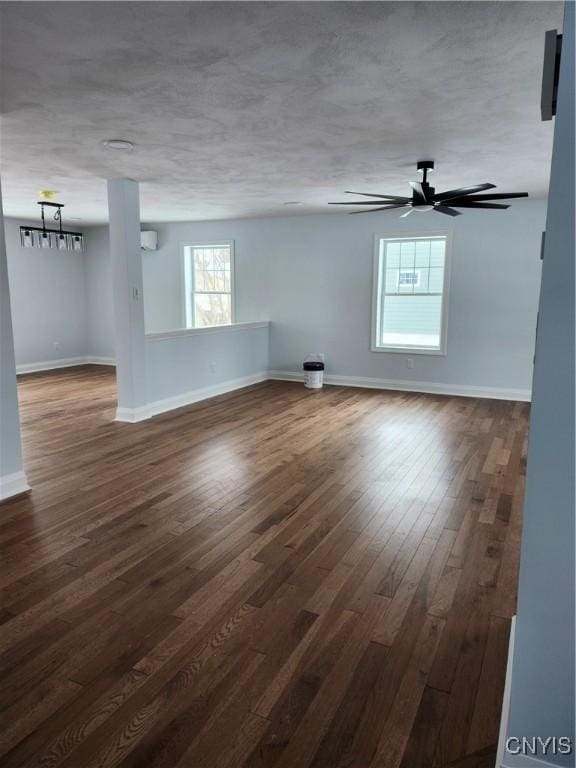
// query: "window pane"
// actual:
[[391, 281], [212, 280], [423, 287], [412, 321], [409, 316], [436, 279], [392, 255], [437, 249], [422, 253], [407, 254], [212, 309]]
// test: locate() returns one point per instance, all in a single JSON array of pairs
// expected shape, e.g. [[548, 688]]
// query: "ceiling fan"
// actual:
[[424, 197]]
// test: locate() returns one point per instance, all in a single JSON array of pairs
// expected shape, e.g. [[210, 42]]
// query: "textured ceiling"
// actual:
[[236, 108]]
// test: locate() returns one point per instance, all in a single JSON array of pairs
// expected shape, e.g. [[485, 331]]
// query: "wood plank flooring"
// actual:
[[275, 577]]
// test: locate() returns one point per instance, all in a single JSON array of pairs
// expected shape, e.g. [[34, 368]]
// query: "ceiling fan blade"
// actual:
[[463, 191], [408, 212], [382, 208], [497, 196], [402, 201], [446, 210], [465, 204], [419, 190], [384, 197]]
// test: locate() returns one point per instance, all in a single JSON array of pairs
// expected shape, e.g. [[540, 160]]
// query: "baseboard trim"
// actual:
[[155, 408], [13, 485], [426, 387], [205, 393], [132, 415], [95, 360], [64, 362]]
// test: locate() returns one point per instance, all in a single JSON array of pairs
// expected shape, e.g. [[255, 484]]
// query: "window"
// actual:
[[410, 281], [209, 284]]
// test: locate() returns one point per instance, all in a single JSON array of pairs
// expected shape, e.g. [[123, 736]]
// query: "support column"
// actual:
[[542, 662], [12, 478], [126, 261]]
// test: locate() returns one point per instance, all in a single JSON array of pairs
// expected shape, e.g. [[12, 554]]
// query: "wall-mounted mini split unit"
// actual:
[[149, 240]]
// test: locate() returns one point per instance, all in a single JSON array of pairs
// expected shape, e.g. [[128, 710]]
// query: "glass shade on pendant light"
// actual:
[[77, 243], [26, 238]]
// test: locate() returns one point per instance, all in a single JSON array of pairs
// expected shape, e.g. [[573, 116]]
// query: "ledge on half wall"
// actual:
[[13, 485]]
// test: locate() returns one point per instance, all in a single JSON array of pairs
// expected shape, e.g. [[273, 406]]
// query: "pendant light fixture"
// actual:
[[43, 237]]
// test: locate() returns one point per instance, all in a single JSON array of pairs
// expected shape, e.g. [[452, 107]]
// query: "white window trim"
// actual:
[[376, 290], [186, 295]]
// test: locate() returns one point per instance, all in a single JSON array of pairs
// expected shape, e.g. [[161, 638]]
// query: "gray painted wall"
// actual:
[[312, 276], [182, 364], [48, 300], [542, 693], [99, 305], [10, 445], [163, 299]]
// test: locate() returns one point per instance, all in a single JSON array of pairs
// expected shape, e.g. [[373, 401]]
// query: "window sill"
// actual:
[[207, 329], [410, 351]]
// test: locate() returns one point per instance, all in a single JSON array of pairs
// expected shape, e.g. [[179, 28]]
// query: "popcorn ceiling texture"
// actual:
[[238, 107]]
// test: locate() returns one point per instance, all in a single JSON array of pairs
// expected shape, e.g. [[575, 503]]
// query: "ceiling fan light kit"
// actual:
[[425, 199]]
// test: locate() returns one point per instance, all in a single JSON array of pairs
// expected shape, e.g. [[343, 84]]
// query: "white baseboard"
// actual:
[[134, 415], [49, 365], [95, 360], [12, 485], [195, 395], [427, 387], [63, 362]]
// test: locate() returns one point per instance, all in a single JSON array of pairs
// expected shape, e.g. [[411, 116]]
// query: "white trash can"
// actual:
[[313, 374]]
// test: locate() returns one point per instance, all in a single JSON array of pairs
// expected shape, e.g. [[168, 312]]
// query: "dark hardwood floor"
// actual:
[[275, 577]]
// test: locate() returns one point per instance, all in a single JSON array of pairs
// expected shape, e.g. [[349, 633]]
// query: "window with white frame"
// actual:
[[410, 293], [209, 284]]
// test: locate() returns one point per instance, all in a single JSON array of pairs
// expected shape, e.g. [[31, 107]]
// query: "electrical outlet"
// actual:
[[212, 367], [409, 363]]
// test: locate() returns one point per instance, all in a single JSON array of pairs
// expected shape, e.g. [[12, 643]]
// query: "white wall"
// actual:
[[253, 240], [322, 279], [48, 295], [204, 360], [12, 477], [312, 277], [99, 307]]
